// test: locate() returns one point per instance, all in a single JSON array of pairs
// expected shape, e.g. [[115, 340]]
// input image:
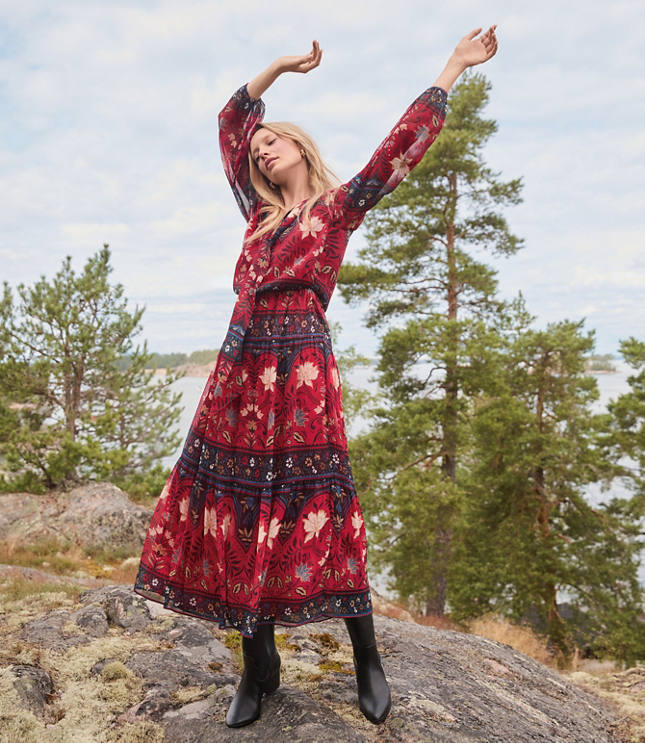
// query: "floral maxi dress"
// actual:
[[259, 520]]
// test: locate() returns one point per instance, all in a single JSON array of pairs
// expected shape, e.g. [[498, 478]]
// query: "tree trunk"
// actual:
[[443, 537], [555, 624], [449, 465]]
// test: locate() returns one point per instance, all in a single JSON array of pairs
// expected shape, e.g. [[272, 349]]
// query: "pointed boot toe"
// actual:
[[246, 705], [374, 698]]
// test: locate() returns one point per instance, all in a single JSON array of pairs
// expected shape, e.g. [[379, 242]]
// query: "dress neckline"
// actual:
[[297, 206]]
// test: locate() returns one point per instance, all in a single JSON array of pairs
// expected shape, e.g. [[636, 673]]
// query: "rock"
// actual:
[[123, 608], [92, 619], [447, 687], [129, 612], [98, 515], [55, 630], [385, 607], [101, 515], [288, 714], [34, 686]]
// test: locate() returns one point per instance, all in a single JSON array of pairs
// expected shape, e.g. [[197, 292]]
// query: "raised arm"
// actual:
[[393, 159], [413, 134], [237, 122], [240, 117]]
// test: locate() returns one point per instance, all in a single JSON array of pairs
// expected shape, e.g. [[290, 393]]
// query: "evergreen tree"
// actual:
[[438, 306], [530, 537], [628, 424], [68, 412]]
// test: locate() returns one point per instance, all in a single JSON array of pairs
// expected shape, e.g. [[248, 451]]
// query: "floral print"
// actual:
[[307, 374], [259, 520], [313, 524]]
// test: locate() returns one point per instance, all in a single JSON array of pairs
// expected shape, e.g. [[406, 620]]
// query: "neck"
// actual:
[[296, 189]]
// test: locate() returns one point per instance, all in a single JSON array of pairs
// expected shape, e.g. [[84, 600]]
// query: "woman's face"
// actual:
[[275, 156]]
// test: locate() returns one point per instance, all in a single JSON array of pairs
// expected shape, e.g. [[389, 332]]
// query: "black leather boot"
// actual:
[[261, 675], [374, 698]]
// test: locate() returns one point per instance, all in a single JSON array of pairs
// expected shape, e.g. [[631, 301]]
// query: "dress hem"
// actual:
[[248, 621]]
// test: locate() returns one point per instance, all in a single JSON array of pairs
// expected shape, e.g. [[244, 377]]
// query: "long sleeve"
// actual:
[[237, 122], [394, 158]]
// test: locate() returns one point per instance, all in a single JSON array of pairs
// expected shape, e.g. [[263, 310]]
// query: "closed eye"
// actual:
[[257, 157]]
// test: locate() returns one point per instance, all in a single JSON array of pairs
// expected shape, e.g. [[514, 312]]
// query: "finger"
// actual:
[[310, 64], [314, 62], [473, 33]]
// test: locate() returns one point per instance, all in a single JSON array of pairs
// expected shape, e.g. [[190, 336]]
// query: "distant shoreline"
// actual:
[[190, 370], [204, 370]]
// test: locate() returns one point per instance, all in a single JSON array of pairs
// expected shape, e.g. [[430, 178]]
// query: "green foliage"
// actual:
[[440, 323], [483, 438], [69, 410], [355, 399], [167, 360], [156, 361], [626, 439], [172, 360], [528, 535], [600, 362], [206, 356]]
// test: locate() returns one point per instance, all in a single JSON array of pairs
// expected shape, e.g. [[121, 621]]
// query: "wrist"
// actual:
[[453, 69], [277, 67], [456, 65]]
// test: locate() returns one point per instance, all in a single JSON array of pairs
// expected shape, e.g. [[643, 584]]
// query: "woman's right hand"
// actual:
[[265, 79], [301, 64]]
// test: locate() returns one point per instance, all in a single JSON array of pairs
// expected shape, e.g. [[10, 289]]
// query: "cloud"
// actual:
[[108, 133]]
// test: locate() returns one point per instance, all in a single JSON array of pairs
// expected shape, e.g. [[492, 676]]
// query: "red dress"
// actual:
[[259, 520]]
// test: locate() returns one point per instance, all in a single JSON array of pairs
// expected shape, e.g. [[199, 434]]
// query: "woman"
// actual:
[[259, 522]]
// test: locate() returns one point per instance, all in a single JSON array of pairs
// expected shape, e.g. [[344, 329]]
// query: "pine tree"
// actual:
[[68, 411], [438, 306], [530, 538], [628, 424]]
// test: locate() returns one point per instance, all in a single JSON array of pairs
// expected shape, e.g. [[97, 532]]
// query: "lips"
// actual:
[[269, 162]]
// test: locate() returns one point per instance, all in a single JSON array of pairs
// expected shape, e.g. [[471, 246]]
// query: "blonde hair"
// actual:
[[321, 178]]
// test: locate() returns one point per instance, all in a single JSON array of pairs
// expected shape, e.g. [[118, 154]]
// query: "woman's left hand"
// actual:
[[472, 51]]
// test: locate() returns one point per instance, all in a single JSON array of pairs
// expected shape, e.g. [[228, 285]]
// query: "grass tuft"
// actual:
[[334, 665], [327, 641], [16, 589], [63, 557], [520, 637]]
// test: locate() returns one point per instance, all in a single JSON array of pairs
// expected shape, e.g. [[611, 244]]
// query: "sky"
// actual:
[[108, 134]]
